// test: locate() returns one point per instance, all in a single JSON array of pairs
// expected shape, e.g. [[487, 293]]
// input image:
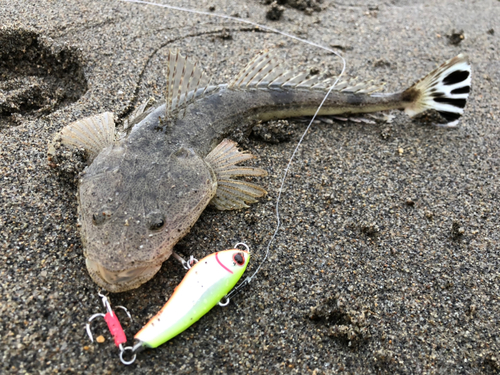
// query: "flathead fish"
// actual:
[[143, 192]]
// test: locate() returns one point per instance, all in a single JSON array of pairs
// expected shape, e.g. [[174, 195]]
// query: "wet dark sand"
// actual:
[[388, 256]]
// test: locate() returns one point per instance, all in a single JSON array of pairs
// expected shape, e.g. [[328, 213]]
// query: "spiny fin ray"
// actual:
[[186, 82], [147, 104], [266, 71]]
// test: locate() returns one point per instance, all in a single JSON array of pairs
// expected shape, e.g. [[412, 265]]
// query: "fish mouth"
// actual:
[[120, 281]]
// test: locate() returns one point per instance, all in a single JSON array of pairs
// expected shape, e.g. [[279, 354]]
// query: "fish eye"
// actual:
[[239, 258], [155, 220], [101, 216]]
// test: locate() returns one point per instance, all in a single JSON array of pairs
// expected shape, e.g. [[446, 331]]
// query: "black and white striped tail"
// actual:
[[445, 89]]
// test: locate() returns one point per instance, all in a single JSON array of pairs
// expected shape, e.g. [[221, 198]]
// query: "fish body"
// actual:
[[203, 287], [141, 194]]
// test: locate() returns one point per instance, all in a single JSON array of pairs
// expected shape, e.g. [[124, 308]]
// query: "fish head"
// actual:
[[132, 212]]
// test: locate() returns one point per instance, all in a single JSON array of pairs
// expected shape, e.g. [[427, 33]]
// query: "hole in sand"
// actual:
[[37, 76]]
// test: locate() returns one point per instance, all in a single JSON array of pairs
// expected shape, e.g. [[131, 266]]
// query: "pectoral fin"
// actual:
[[92, 133], [233, 194]]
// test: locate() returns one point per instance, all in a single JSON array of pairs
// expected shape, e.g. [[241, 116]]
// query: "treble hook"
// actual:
[[114, 326]]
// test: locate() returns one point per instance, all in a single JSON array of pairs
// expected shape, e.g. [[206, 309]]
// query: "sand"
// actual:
[[387, 260]]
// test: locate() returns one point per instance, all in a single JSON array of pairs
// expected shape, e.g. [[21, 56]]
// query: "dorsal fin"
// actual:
[[185, 82], [133, 118], [266, 71]]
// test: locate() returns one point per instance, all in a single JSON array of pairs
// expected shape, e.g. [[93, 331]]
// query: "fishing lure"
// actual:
[[205, 285]]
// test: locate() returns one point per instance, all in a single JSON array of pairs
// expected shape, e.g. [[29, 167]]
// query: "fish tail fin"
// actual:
[[445, 90]]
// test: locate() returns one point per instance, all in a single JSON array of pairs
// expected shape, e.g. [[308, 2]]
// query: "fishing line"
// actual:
[[247, 281]]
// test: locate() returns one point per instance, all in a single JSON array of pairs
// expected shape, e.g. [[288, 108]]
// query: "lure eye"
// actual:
[[239, 259]]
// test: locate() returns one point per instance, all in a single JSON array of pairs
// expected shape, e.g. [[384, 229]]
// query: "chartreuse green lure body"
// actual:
[[203, 287]]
